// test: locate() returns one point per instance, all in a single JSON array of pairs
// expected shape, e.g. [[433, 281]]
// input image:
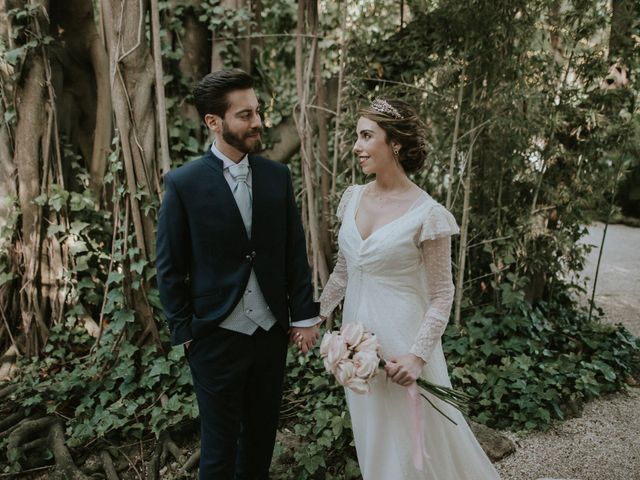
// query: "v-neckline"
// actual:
[[404, 214]]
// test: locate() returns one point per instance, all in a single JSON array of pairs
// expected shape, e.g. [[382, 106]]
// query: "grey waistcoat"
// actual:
[[251, 312]]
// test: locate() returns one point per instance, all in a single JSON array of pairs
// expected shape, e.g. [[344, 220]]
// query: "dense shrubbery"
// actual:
[[528, 366]]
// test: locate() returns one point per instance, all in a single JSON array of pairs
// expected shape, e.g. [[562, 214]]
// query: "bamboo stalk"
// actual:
[[464, 228], [454, 144], [604, 236]]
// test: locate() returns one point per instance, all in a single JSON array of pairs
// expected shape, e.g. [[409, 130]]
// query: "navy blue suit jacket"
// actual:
[[204, 256]]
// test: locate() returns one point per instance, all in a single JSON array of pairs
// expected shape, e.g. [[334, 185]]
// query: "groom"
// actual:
[[232, 273]]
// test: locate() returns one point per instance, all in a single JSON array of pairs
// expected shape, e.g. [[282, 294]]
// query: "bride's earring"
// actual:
[[396, 153]]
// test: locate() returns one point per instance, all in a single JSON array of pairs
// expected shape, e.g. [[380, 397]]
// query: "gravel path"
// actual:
[[618, 288], [604, 443]]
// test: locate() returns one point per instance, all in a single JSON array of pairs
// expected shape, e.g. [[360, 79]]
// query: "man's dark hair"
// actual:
[[210, 94]]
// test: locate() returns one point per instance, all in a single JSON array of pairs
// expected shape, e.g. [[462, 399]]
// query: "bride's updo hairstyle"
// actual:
[[401, 124]]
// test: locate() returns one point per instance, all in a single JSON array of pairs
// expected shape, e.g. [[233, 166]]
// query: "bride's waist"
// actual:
[[390, 281]]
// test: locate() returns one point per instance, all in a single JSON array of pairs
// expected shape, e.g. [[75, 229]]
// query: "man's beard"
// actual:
[[243, 144]]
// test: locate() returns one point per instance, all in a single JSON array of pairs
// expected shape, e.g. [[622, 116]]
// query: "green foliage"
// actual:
[[107, 388], [316, 425], [24, 34], [109, 393], [528, 366]]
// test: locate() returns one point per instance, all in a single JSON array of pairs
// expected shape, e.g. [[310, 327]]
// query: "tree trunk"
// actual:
[[161, 108], [323, 148], [132, 80], [81, 81], [195, 61], [7, 169], [308, 164], [30, 133], [244, 42]]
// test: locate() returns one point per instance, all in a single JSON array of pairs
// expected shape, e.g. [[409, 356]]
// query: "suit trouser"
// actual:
[[238, 383]]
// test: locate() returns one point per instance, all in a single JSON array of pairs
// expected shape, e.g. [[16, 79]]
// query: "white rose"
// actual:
[[328, 367], [336, 351], [368, 345], [366, 364], [358, 385], [345, 371], [324, 345], [352, 333]]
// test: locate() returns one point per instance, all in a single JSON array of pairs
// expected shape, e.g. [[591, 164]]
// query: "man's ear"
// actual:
[[213, 122]]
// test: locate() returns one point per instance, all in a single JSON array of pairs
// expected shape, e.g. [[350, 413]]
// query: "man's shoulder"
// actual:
[[190, 171], [266, 163]]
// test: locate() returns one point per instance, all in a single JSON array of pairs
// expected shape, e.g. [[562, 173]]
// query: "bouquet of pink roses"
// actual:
[[352, 356]]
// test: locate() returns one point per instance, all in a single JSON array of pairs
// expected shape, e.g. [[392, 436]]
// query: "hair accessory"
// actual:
[[383, 106]]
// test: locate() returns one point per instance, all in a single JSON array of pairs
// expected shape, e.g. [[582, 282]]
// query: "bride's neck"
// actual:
[[392, 180]]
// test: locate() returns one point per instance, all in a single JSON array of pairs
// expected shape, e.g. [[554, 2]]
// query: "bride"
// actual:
[[394, 273]]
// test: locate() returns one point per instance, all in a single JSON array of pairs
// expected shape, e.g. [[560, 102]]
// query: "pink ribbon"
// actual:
[[417, 424]]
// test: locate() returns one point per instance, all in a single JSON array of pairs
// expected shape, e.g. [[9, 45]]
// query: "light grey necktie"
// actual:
[[242, 193]]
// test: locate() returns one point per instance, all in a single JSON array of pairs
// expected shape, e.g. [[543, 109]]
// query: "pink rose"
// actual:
[[366, 364], [358, 385], [336, 351], [369, 344], [352, 333], [345, 371]]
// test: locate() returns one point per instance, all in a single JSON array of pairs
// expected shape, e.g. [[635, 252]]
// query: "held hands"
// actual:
[[304, 337], [404, 370]]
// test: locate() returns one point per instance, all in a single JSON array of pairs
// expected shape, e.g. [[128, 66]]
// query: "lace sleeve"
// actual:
[[335, 288], [344, 201], [438, 222], [436, 255]]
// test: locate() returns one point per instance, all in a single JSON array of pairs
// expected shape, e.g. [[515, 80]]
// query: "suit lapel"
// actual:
[[260, 192]]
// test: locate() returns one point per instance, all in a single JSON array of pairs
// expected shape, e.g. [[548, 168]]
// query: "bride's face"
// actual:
[[371, 147]]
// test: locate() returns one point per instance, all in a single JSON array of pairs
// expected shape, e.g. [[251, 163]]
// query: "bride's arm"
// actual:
[[436, 255], [335, 288]]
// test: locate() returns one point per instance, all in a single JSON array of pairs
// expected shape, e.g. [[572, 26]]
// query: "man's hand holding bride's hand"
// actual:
[[404, 370], [304, 337]]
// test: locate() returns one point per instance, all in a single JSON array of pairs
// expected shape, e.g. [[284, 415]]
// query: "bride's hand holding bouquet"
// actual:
[[404, 370], [352, 356]]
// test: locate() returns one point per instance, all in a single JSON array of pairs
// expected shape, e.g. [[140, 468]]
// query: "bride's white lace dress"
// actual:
[[397, 282]]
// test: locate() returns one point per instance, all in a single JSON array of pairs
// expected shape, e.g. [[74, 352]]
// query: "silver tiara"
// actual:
[[383, 106]]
